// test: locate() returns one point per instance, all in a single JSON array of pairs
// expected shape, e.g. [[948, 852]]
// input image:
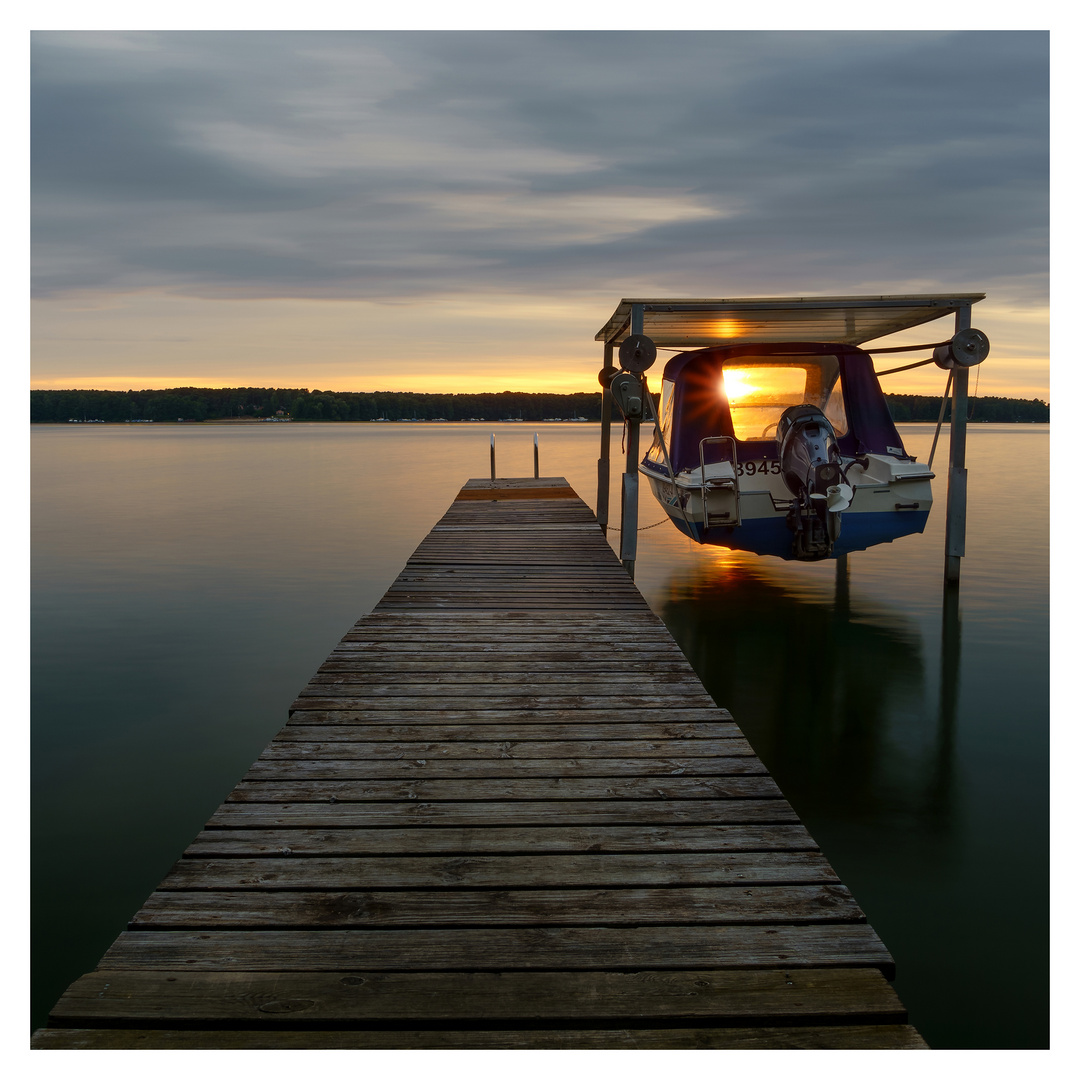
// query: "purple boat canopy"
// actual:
[[742, 390]]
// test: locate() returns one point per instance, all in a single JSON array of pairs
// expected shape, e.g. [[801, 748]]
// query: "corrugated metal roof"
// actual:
[[690, 323]]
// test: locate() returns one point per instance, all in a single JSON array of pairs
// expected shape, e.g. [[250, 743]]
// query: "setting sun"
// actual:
[[736, 384]]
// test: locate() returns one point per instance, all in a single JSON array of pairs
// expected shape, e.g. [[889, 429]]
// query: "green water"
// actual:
[[188, 581]]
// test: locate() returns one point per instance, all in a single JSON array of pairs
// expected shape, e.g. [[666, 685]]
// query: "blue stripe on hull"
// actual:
[[771, 536]]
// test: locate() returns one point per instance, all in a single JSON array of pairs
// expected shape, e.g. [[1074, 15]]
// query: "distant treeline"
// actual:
[[195, 403], [995, 410]]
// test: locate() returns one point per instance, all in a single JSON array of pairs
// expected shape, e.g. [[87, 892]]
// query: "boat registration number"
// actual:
[[759, 468]]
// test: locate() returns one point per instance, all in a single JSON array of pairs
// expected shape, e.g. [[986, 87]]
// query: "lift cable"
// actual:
[[906, 367], [941, 417]]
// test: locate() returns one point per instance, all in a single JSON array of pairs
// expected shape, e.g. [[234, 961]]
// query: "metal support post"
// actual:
[[493, 457], [956, 501], [629, 517], [603, 464], [536, 455], [628, 549]]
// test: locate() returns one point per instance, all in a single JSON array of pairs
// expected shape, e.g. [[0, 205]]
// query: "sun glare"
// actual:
[[737, 384]]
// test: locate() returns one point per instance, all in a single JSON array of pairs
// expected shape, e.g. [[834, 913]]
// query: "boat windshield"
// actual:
[[663, 430], [759, 389]]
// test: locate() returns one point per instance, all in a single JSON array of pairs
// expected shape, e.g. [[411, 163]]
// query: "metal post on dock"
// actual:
[[629, 509], [629, 514], [536, 455], [493, 456], [956, 501], [603, 464]]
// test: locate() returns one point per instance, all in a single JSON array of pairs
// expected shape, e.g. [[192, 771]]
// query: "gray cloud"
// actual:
[[397, 165]]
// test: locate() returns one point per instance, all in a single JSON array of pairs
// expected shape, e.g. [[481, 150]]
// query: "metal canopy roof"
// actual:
[[850, 320]]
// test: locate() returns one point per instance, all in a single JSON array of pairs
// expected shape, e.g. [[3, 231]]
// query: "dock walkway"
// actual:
[[503, 814]]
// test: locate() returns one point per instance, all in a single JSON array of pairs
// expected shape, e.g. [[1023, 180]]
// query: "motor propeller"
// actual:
[[838, 498]]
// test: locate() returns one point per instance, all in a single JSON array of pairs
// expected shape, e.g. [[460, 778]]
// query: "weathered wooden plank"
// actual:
[[632, 720], [379, 649], [500, 684], [500, 483], [551, 625], [511, 581], [326, 767], [490, 529], [415, 645], [480, 510], [504, 949], [445, 568], [508, 585], [639, 623], [536, 596], [635, 625], [493, 512], [361, 671], [502, 555], [322, 698], [592, 813], [567, 663], [486, 515], [512, 653], [546, 636], [481, 575], [264, 909], [539, 637], [379, 725], [467, 494], [450, 603], [644, 620], [469, 790], [219, 843], [802, 1037], [475, 752], [504, 871], [252, 999]]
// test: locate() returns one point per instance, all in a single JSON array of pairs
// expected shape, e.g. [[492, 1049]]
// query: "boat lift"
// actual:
[[638, 327]]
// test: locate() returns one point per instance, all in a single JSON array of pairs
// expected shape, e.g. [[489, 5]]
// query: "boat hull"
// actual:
[[873, 517]]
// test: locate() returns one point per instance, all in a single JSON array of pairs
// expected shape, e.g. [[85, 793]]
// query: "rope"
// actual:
[[644, 528], [906, 367], [941, 417], [907, 348], [971, 410]]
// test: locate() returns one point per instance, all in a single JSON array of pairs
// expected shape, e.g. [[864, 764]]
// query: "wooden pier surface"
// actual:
[[503, 814]]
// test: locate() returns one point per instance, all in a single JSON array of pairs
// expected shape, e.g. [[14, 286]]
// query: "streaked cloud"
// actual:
[[401, 174]]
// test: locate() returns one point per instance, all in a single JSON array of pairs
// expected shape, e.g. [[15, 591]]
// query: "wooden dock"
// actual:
[[503, 814]]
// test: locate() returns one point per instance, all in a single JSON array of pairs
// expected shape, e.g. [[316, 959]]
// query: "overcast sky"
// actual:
[[463, 211]]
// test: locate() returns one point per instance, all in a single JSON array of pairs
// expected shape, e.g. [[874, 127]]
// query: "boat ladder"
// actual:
[[725, 484]]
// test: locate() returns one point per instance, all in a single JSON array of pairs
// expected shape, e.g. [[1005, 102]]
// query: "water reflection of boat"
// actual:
[[849, 728], [767, 447]]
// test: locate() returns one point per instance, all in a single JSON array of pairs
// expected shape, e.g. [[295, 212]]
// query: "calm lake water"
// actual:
[[188, 581]]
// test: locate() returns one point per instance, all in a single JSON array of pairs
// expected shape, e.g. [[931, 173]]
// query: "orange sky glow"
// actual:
[[456, 345]]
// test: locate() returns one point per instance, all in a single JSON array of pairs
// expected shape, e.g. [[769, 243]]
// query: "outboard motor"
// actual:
[[810, 464]]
